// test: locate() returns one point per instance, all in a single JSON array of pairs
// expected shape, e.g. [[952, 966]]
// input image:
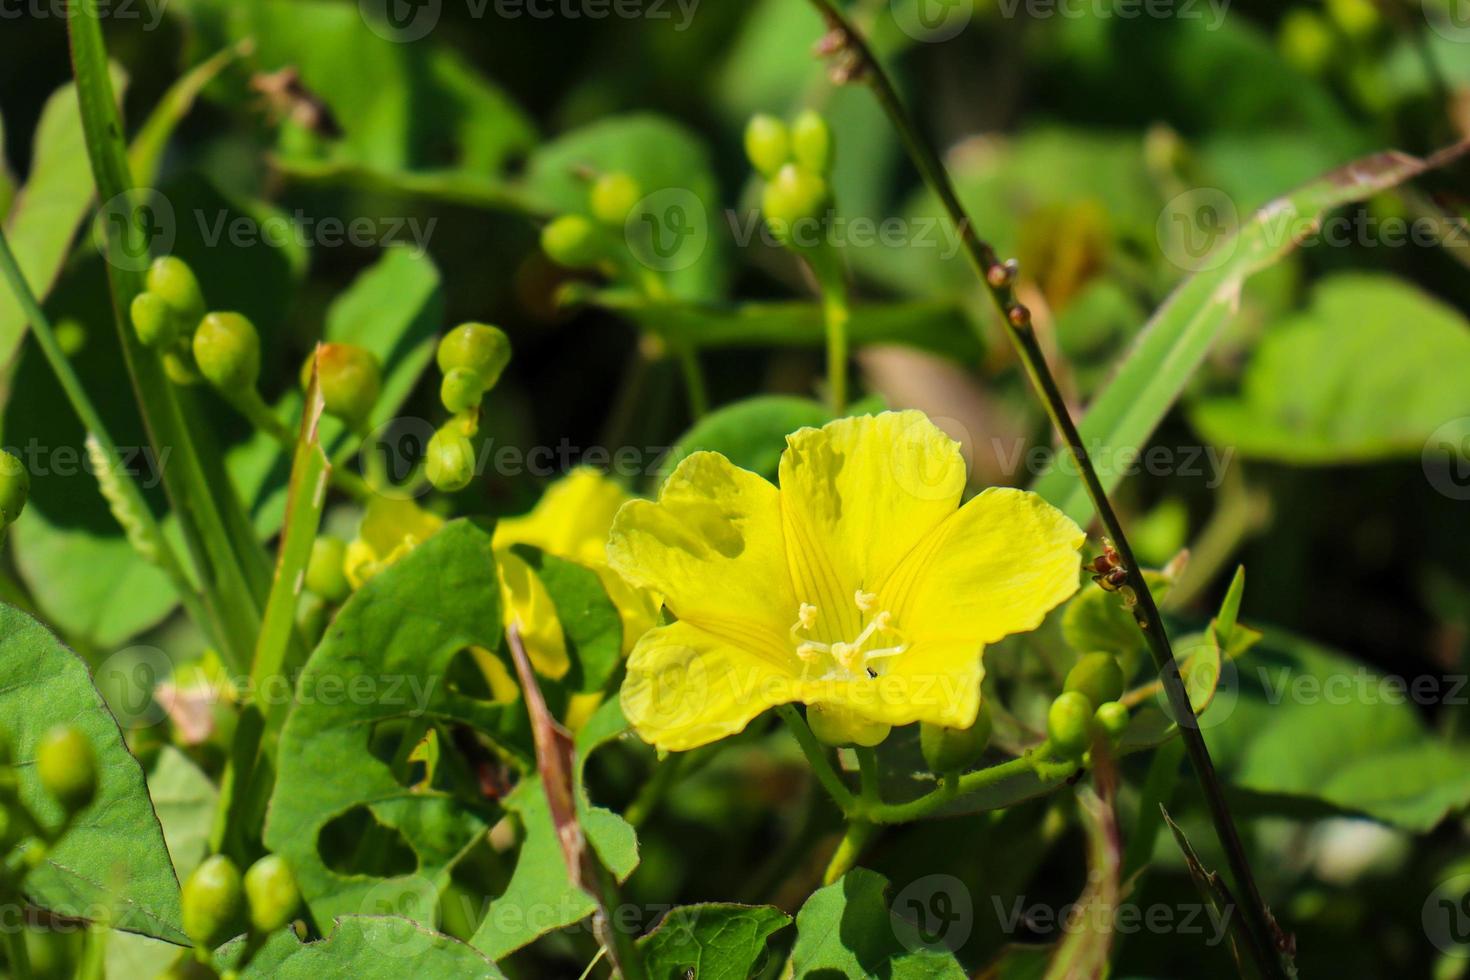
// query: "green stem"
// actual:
[[162, 553], [855, 840], [868, 776], [694, 382], [249, 404], [816, 754], [15, 952], [999, 280], [826, 266]]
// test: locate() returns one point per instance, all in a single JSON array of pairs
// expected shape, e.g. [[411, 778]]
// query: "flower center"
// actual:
[[847, 659]]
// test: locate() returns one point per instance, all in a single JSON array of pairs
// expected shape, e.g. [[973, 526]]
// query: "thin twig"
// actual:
[[856, 61]]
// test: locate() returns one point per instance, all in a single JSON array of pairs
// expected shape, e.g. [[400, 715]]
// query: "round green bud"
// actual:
[[461, 390], [211, 901], [1097, 676], [67, 767], [156, 323], [476, 347], [572, 241], [451, 460], [613, 197], [324, 574], [794, 195], [1112, 718], [1069, 723], [15, 487], [811, 142], [767, 144], [227, 351], [350, 380], [1306, 40], [954, 749], [271, 891], [838, 727], [1359, 19], [171, 280]]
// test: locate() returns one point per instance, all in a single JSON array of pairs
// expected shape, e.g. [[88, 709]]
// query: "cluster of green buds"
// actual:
[[166, 316], [1088, 706], [66, 767], [796, 162], [219, 903], [590, 241], [350, 379], [471, 358], [15, 487]]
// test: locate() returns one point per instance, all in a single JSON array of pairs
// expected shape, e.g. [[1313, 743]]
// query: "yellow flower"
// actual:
[[571, 521], [390, 529], [857, 588]]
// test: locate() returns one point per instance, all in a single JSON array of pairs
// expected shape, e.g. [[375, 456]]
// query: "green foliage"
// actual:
[[717, 942], [370, 947], [590, 623], [848, 929], [751, 434], [40, 680]]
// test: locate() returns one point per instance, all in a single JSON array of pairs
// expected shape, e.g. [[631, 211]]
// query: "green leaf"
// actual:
[[540, 883], [848, 928], [937, 326], [590, 623], [1309, 723], [184, 799], [1319, 388], [1084, 951], [1097, 621], [1180, 334], [114, 860], [750, 433], [47, 210], [673, 169], [394, 640], [366, 947], [713, 941]]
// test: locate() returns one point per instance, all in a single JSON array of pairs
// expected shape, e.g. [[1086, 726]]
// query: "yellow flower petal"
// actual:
[[570, 521], [686, 687], [526, 603], [857, 495], [994, 568], [712, 547]]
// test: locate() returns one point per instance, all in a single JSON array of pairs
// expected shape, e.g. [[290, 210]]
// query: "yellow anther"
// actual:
[[806, 617], [808, 652], [865, 600], [883, 619]]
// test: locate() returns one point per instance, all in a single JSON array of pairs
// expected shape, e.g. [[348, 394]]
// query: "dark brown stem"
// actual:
[[856, 62]]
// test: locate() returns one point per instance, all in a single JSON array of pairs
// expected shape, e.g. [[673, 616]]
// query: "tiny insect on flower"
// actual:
[[860, 585]]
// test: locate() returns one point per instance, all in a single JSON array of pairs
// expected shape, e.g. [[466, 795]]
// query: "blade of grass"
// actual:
[[232, 566]]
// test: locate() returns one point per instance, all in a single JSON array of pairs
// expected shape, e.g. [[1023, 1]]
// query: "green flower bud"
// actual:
[[573, 241], [211, 901], [794, 195], [178, 364], [476, 347], [67, 767], [811, 142], [171, 280], [1112, 718], [1097, 676], [461, 390], [1069, 724], [156, 323], [451, 460], [1359, 19], [613, 197], [837, 727], [767, 144], [324, 574], [350, 380], [954, 749], [15, 487], [227, 351], [1306, 40], [271, 890]]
